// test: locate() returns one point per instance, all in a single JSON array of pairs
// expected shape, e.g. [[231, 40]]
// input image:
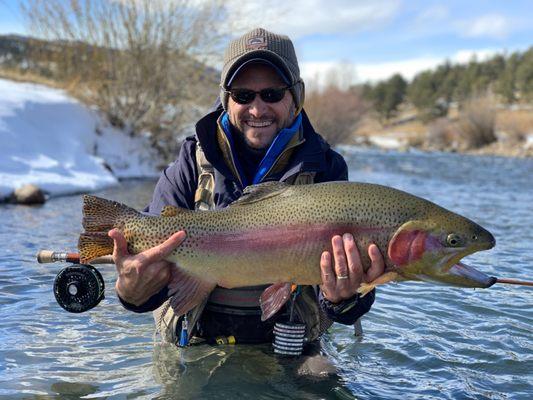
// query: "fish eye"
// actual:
[[454, 240], [474, 237]]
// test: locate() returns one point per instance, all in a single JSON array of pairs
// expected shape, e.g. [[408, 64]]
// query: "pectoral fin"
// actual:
[[187, 291], [273, 298], [387, 277]]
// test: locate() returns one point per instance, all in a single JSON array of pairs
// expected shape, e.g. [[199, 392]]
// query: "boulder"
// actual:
[[28, 194]]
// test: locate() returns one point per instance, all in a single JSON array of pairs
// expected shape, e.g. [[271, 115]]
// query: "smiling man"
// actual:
[[259, 121], [259, 133]]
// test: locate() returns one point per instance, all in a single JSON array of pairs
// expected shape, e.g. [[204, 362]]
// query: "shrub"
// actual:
[[477, 123], [441, 135], [514, 126], [138, 61], [335, 113]]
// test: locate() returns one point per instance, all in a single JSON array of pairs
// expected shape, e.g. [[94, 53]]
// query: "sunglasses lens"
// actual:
[[272, 95], [242, 96], [246, 96]]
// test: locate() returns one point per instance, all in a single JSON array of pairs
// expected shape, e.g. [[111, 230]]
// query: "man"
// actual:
[[260, 133]]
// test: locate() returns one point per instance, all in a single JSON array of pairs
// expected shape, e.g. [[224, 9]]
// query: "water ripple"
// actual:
[[420, 341]]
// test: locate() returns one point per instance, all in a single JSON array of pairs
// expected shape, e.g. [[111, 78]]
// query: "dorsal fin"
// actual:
[[261, 191], [171, 211]]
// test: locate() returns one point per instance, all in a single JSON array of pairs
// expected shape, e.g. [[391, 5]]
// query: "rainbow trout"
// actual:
[[275, 234]]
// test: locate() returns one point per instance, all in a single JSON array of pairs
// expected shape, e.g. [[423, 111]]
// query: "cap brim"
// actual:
[[259, 56]]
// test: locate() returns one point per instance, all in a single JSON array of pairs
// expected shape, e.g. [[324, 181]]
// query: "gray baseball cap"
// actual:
[[262, 46]]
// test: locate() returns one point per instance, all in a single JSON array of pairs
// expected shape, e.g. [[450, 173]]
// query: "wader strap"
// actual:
[[203, 197], [304, 178], [165, 322], [168, 324], [311, 314]]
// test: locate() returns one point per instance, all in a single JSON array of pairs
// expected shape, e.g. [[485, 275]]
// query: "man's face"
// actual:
[[258, 121]]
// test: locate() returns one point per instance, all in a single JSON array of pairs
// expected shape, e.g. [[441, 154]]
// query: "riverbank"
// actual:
[[51, 140], [512, 130]]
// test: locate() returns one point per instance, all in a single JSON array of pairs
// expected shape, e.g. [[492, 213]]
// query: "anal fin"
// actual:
[[273, 298], [186, 291]]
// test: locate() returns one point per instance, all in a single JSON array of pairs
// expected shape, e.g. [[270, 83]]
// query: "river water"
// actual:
[[420, 340]]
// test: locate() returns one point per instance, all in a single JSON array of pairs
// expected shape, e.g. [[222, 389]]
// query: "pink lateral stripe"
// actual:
[[279, 237]]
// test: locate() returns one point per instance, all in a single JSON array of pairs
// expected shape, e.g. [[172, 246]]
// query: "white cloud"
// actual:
[[464, 56], [305, 17], [317, 73], [489, 25]]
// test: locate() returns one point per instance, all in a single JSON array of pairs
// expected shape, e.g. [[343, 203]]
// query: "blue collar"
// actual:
[[278, 145]]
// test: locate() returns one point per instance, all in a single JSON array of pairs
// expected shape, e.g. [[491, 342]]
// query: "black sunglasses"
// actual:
[[268, 95]]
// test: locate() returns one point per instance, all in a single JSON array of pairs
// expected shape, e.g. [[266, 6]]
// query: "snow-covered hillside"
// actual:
[[49, 139]]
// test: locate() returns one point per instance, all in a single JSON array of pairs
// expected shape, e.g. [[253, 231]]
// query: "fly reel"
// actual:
[[78, 288]]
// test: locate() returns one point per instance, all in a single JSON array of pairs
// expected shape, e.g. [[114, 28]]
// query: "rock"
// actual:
[[28, 194], [316, 366]]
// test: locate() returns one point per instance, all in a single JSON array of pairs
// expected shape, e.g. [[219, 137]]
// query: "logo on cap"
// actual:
[[256, 43]]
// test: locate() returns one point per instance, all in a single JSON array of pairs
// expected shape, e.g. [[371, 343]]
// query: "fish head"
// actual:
[[430, 250]]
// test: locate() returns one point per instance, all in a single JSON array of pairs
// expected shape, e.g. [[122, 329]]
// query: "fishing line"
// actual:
[[514, 282]]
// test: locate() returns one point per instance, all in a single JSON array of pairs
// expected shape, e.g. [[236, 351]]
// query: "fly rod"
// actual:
[[49, 256]]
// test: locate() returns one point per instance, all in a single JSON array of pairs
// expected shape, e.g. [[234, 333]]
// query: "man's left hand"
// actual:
[[342, 277]]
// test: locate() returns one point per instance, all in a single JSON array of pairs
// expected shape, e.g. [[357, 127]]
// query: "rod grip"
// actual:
[[45, 256], [49, 256]]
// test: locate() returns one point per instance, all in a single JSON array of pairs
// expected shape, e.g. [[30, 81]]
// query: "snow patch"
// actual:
[[50, 139]]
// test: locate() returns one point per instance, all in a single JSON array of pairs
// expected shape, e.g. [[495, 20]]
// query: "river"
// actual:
[[420, 340]]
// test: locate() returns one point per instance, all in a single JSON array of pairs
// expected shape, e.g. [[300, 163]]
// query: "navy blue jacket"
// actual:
[[177, 185]]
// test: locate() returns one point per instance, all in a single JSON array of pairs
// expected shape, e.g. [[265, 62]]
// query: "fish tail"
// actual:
[[94, 244], [99, 217]]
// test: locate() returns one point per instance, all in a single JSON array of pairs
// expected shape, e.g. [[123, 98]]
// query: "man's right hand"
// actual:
[[142, 275]]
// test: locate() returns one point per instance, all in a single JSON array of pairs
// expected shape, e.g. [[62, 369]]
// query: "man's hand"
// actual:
[[341, 280], [142, 275]]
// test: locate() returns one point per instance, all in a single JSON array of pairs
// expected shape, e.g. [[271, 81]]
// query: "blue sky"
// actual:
[[375, 38]]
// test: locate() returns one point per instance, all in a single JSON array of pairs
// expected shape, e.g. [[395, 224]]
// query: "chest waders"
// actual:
[[306, 307]]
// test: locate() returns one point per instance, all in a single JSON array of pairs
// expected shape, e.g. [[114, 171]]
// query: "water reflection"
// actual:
[[243, 372]]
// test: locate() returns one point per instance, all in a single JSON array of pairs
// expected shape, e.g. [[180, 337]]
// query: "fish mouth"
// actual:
[[449, 270], [460, 275], [467, 276]]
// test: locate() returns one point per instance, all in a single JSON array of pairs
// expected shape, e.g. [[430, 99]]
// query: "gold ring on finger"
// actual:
[[342, 276]]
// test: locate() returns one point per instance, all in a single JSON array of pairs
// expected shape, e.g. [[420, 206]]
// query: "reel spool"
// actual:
[[78, 288]]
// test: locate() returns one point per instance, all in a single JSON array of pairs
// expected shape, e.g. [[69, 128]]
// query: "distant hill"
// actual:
[[41, 57], [28, 54]]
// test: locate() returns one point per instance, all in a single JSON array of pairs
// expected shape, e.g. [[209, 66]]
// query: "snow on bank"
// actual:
[[51, 140]]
